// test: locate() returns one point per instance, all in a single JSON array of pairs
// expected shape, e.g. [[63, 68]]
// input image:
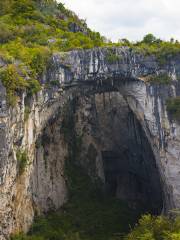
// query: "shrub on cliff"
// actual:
[[13, 82], [155, 228], [22, 160], [162, 78], [15, 79], [112, 58]]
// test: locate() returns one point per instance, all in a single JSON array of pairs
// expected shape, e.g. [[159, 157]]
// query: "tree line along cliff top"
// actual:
[[32, 30]]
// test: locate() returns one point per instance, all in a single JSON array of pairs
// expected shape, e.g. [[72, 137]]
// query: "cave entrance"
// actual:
[[130, 169], [123, 155], [116, 148]]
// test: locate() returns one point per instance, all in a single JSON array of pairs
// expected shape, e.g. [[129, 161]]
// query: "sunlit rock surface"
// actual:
[[128, 138]]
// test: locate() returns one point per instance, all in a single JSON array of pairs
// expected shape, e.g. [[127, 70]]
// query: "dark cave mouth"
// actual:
[[131, 172], [130, 168]]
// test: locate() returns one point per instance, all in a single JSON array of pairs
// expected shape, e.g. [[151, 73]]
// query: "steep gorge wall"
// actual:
[[99, 86], [19, 190]]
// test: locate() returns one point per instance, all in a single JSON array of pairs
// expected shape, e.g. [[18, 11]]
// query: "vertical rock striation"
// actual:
[[116, 108]]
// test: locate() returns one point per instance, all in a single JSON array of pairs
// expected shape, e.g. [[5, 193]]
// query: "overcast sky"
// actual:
[[130, 19]]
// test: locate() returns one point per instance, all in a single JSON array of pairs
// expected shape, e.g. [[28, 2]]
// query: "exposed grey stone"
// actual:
[[88, 75]]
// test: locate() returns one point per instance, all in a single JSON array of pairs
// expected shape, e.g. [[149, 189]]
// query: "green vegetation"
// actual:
[[111, 57], [47, 24], [55, 83], [155, 228], [30, 31], [150, 39], [162, 78], [14, 78], [22, 159], [12, 81], [162, 50], [173, 107]]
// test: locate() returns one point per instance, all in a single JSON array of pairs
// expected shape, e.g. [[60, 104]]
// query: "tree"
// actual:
[[149, 38], [172, 40], [124, 41]]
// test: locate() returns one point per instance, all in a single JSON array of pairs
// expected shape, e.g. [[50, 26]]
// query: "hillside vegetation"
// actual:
[[31, 30]]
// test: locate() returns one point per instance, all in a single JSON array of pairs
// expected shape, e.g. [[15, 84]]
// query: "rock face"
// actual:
[[94, 73], [127, 137], [115, 148]]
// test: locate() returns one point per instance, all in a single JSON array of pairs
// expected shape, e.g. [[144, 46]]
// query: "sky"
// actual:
[[132, 19]]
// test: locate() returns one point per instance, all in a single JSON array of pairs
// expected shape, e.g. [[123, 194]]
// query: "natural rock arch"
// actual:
[[147, 101], [81, 72]]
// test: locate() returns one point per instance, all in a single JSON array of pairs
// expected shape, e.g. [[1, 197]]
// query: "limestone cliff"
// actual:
[[123, 124]]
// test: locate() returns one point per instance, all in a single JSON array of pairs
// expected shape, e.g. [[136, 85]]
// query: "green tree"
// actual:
[[149, 38]]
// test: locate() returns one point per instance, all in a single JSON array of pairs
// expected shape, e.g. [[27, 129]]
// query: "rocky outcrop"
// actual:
[[108, 64], [113, 100]]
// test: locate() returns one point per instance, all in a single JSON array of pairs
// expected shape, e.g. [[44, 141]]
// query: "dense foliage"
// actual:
[[164, 51], [155, 228], [29, 32]]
